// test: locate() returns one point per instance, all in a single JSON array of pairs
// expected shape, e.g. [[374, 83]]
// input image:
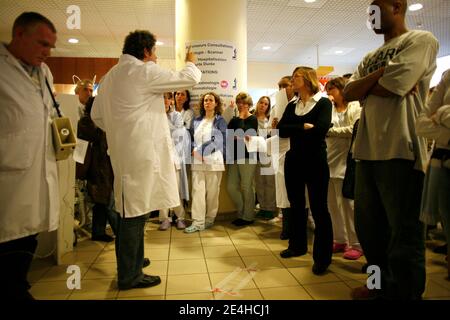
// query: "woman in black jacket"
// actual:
[[306, 122]]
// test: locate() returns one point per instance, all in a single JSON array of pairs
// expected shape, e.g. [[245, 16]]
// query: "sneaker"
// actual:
[[181, 224], [193, 228], [209, 225], [274, 220], [339, 247], [164, 225], [353, 254]]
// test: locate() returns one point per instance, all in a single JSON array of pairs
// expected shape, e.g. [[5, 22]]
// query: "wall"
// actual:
[[266, 75]]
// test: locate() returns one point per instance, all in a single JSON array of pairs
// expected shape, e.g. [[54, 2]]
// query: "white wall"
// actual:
[[266, 75]]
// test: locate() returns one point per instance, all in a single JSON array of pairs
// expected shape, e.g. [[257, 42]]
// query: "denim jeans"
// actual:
[[387, 207], [130, 250]]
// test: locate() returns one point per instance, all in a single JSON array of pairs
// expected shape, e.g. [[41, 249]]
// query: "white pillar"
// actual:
[[213, 20]]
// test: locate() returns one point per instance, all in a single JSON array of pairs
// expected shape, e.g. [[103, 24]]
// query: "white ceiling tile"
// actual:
[[338, 23]]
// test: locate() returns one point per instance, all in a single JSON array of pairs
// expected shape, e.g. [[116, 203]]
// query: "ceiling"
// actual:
[[295, 30]]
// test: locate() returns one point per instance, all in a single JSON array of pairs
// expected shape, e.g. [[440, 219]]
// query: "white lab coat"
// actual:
[[29, 193], [129, 107]]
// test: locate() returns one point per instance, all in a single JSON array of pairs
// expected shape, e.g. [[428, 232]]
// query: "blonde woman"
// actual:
[[306, 122]]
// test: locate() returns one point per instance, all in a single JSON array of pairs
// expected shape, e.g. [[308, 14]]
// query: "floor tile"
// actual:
[[262, 262], [434, 290], [191, 296], [151, 297], [329, 291], [192, 283], [305, 276], [232, 281], [274, 278], [220, 252], [156, 234], [156, 243], [180, 234], [256, 249], [77, 257], [54, 290], [106, 257], [101, 271], [227, 264], [156, 254], [216, 241], [186, 253], [105, 295], [59, 273], [249, 294], [185, 242], [89, 245], [157, 267], [187, 266], [98, 285]]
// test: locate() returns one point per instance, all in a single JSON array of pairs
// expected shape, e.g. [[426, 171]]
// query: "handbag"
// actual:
[[348, 186]]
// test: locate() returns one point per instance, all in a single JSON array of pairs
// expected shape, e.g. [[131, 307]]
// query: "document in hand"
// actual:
[[280, 104], [256, 144]]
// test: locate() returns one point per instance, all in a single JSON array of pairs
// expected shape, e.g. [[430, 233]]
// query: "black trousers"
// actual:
[[315, 174], [15, 261]]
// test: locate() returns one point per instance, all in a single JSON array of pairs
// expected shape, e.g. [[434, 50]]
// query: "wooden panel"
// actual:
[[64, 68]]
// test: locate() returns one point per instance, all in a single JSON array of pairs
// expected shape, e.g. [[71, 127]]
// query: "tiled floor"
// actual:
[[223, 263]]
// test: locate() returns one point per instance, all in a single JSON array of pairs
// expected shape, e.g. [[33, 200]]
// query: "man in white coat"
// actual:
[[29, 199], [129, 107]]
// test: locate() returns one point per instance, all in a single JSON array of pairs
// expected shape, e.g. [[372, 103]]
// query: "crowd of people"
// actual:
[[150, 151]]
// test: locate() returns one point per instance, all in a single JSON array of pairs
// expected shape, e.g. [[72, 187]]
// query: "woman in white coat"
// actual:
[[434, 123], [338, 140], [130, 109]]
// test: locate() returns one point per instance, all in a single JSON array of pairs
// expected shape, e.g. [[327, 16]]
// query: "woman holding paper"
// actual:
[[264, 176], [242, 164], [306, 122]]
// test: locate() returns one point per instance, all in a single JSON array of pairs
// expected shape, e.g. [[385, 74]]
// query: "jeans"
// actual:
[[130, 250], [15, 261], [387, 207], [240, 186]]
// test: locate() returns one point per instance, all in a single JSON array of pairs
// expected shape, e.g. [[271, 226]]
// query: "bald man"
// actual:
[[29, 199], [392, 83]]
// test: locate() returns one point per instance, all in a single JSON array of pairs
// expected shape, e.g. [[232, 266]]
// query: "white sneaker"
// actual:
[[193, 228]]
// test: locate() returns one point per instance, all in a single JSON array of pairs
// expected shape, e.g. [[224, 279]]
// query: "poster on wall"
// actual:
[[218, 62]]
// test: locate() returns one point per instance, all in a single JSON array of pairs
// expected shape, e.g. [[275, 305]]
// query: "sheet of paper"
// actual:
[[79, 153], [256, 144], [280, 104]]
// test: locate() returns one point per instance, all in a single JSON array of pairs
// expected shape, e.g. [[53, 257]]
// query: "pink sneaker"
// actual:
[[353, 254], [339, 247], [164, 225]]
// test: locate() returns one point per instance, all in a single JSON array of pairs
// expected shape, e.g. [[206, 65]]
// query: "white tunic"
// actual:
[[129, 107], [29, 194]]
